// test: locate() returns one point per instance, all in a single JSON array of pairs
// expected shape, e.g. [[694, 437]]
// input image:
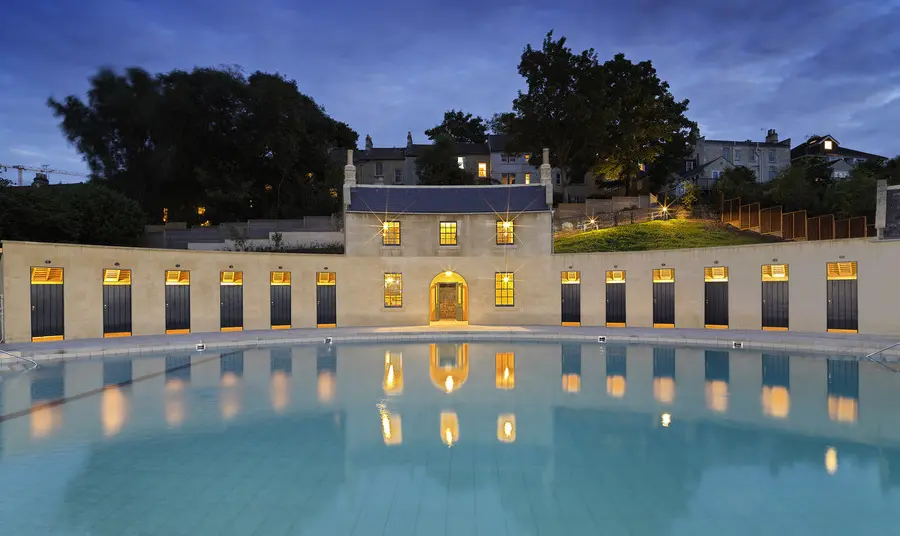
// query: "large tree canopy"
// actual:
[[647, 123], [608, 118], [460, 127], [239, 147], [437, 164]]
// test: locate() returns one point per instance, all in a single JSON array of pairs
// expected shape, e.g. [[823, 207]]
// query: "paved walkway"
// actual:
[[780, 341]]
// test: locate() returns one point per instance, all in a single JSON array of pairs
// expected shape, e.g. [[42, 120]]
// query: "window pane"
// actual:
[[448, 233], [482, 169], [505, 232], [390, 233], [504, 286], [393, 290]]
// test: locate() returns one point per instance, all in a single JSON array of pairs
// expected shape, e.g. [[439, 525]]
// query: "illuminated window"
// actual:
[[390, 233], [505, 233], [461, 162], [482, 169], [528, 178], [333, 193], [448, 233], [201, 211], [165, 215], [393, 290], [642, 167], [504, 289], [828, 145], [507, 178]]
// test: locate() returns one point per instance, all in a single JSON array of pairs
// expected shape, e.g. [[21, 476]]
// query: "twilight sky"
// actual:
[[802, 67]]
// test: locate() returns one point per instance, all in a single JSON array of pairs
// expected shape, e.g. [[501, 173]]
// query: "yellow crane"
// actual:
[[46, 170]]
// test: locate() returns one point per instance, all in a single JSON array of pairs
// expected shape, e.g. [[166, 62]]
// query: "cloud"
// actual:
[[746, 65]]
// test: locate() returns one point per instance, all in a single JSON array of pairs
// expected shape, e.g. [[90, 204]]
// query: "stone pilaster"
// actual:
[[546, 176], [349, 177]]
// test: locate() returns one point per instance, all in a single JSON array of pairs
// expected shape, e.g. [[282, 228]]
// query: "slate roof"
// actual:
[[381, 153], [448, 199], [815, 147]]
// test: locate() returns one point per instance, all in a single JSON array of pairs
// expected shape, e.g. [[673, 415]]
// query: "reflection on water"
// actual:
[[113, 410], [613, 442]]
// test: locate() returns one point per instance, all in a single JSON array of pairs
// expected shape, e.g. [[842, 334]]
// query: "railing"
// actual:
[[871, 357], [20, 358], [797, 225]]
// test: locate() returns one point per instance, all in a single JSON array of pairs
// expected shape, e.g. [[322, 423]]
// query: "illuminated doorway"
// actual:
[[449, 298]]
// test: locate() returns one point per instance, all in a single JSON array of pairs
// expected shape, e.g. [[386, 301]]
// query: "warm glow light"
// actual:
[[280, 390], [776, 401], [391, 430], [384, 226], [843, 409], [230, 403], [665, 209], [571, 383], [828, 145], [448, 383], [326, 386], [664, 390], [592, 222], [506, 428], [506, 279], [666, 419], [506, 374], [201, 211], [389, 382], [229, 379], [831, 460], [113, 410], [448, 273], [507, 224], [393, 373], [174, 405], [717, 396], [615, 386], [449, 428], [45, 421]]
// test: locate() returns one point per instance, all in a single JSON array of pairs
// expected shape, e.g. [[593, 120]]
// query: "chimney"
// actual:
[[369, 145], [409, 140], [771, 136], [349, 178], [40, 179], [546, 176]]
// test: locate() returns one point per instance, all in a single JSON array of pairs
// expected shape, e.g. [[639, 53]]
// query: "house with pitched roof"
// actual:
[[843, 159], [396, 166], [711, 158]]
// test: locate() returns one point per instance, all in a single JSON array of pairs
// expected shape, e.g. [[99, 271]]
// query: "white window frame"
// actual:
[[773, 156], [398, 174], [737, 155]]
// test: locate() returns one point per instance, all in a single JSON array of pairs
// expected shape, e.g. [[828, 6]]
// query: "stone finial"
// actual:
[[369, 144], [409, 142], [349, 177], [349, 157], [546, 179]]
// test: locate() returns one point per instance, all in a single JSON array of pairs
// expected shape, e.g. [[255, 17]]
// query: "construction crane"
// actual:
[[43, 169]]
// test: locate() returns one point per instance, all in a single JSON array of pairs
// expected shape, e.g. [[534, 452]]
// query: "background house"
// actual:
[[843, 159], [711, 158], [397, 165]]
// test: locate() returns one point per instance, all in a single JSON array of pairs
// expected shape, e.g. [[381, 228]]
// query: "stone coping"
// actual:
[[847, 345]]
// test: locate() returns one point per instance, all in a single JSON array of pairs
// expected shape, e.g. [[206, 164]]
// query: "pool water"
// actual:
[[455, 439]]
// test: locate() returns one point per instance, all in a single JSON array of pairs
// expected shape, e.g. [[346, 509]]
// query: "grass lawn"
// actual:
[[671, 234]]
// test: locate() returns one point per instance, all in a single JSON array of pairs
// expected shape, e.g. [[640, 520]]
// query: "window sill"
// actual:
[[505, 307], [391, 248], [392, 309], [448, 246], [506, 246]]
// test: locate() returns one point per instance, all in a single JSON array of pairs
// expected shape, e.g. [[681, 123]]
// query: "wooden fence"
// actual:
[[796, 225]]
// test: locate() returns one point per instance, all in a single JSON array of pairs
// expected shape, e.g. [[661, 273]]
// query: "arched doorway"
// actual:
[[449, 298]]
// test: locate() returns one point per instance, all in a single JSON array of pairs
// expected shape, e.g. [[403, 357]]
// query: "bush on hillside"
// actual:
[[70, 213]]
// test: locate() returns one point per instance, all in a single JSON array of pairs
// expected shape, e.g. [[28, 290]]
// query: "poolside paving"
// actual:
[[853, 345]]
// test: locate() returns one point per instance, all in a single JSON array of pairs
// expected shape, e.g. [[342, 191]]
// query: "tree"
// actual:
[[437, 164], [740, 182], [563, 108], [501, 123], [460, 127], [77, 213], [647, 122], [208, 140]]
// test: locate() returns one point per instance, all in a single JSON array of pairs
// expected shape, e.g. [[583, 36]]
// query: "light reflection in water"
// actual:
[[717, 396], [230, 398], [280, 390], [506, 428], [114, 407], [173, 401], [664, 390], [326, 386], [45, 421], [449, 428], [831, 460], [615, 386], [843, 409], [393, 373], [391, 428], [571, 383], [776, 401]]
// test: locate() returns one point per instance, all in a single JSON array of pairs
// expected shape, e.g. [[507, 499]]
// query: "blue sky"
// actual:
[[803, 67]]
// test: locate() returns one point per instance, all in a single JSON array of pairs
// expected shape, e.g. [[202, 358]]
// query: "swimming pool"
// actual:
[[455, 439]]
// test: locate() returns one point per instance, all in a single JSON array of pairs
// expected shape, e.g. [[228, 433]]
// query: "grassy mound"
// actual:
[[671, 234]]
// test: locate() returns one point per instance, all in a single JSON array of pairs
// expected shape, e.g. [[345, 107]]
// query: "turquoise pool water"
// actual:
[[486, 438]]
